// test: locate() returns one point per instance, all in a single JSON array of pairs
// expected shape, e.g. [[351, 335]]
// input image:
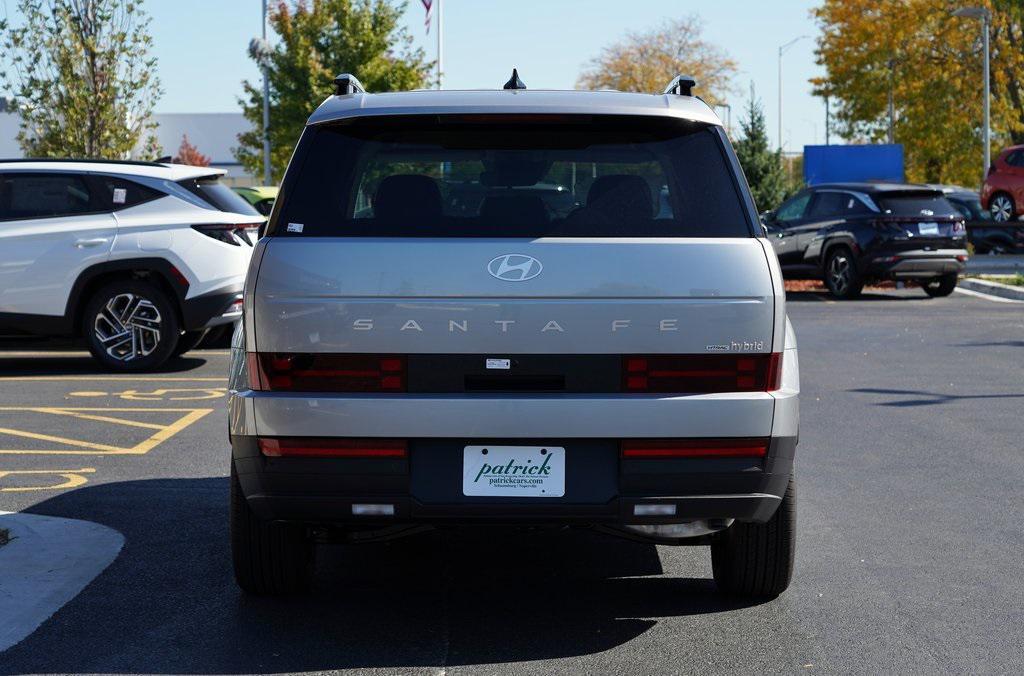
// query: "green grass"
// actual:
[[1012, 280]]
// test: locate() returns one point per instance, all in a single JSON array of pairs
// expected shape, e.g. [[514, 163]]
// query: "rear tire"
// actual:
[[1002, 208], [189, 341], [841, 275], [943, 286], [130, 325], [270, 559], [756, 559]]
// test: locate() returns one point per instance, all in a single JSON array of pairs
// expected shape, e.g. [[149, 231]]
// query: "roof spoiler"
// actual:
[[346, 84], [681, 85]]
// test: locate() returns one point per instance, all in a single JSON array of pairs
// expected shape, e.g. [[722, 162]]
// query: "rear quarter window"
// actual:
[[512, 176]]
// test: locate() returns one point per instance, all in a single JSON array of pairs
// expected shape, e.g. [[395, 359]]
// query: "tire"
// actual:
[[270, 559], [938, 288], [841, 275], [130, 325], [1002, 208], [188, 341], [756, 559]]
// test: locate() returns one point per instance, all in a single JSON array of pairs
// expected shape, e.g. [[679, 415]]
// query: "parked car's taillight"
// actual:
[[699, 373], [230, 233], [318, 447], [694, 448], [959, 227], [312, 372]]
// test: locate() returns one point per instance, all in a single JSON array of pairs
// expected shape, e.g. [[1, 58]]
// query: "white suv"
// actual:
[[139, 259]]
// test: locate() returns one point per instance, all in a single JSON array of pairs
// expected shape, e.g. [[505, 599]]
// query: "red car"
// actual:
[[1003, 191]]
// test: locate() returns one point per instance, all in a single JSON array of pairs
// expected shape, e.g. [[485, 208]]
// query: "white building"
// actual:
[[213, 134]]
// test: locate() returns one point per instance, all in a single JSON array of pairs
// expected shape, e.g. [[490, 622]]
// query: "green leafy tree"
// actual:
[[647, 61], [768, 181], [317, 40], [81, 76]]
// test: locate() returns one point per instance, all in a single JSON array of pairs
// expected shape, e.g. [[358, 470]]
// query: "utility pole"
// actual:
[[782, 50], [828, 122], [985, 15], [267, 174], [892, 103], [440, 44]]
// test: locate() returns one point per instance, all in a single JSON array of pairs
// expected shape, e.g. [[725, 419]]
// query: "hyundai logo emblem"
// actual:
[[514, 267]]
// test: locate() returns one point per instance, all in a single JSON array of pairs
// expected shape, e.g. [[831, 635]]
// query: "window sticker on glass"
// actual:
[[120, 195]]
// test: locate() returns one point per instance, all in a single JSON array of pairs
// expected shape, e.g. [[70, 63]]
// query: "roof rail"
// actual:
[[681, 85], [346, 84], [140, 163]]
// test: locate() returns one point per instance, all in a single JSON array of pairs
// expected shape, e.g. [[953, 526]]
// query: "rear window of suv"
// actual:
[[916, 204], [512, 176]]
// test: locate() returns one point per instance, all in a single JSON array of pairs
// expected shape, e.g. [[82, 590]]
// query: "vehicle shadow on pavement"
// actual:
[[928, 398], [168, 603], [824, 297], [81, 365]]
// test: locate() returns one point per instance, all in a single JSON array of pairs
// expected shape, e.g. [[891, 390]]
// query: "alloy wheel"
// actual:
[[128, 327], [839, 273], [1002, 209]]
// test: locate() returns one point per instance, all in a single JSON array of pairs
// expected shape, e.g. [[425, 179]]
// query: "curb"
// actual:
[[47, 562], [993, 288]]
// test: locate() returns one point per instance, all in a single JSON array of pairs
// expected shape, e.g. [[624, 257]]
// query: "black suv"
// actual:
[[849, 233]]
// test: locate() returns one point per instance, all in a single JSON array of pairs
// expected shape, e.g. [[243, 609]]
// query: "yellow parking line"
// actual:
[[72, 478], [157, 379], [101, 418], [59, 440], [163, 433], [170, 430]]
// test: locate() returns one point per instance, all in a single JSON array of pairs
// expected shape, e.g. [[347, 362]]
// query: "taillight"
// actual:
[[699, 373], [229, 233], [695, 448], [331, 448], [311, 372]]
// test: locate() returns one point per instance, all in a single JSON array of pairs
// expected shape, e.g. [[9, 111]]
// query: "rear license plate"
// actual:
[[928, 228], [514, 471]]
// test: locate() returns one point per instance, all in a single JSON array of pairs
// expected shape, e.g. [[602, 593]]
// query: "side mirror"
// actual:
[[767, 218]]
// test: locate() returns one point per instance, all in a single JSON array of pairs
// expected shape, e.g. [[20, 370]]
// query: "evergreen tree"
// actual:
[[762, 165]]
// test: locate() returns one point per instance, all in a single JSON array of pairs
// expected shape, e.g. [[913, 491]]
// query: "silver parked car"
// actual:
[[406, 360]]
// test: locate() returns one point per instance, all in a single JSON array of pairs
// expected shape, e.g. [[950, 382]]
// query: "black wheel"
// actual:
[[270, 559], [188, 341], [841, 275], [1002, 207], [130, 325], [756, 559], [941, 286], [218, 337]]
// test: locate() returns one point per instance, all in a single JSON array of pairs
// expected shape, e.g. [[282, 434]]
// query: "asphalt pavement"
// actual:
[[909, 553]]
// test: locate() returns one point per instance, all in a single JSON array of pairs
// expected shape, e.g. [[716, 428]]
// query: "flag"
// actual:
[[429, 6]]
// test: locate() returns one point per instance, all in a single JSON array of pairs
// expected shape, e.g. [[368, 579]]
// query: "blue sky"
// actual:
[[201, 47]]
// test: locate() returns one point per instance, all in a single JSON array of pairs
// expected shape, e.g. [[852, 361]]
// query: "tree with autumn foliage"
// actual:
[[647, 62], [931, 62], [317, 40], [189, 154]]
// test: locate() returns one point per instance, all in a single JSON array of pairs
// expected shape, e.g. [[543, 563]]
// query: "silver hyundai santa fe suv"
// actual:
[[514, 307]]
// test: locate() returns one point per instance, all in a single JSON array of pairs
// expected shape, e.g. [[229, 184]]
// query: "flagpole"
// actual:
[[440, 44]]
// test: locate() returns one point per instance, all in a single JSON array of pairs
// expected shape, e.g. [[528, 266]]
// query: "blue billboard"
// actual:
[[830, 164]]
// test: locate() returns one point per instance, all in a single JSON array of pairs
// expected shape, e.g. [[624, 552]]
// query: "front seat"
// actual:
[[408, 200]]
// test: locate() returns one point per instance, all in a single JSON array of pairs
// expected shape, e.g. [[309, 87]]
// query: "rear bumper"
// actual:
[[916, 264], [213, 308], [425, 487]]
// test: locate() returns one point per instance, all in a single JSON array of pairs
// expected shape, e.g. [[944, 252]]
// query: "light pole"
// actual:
[[985, 15], [259, 51], [782, 50], [267, 176]]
